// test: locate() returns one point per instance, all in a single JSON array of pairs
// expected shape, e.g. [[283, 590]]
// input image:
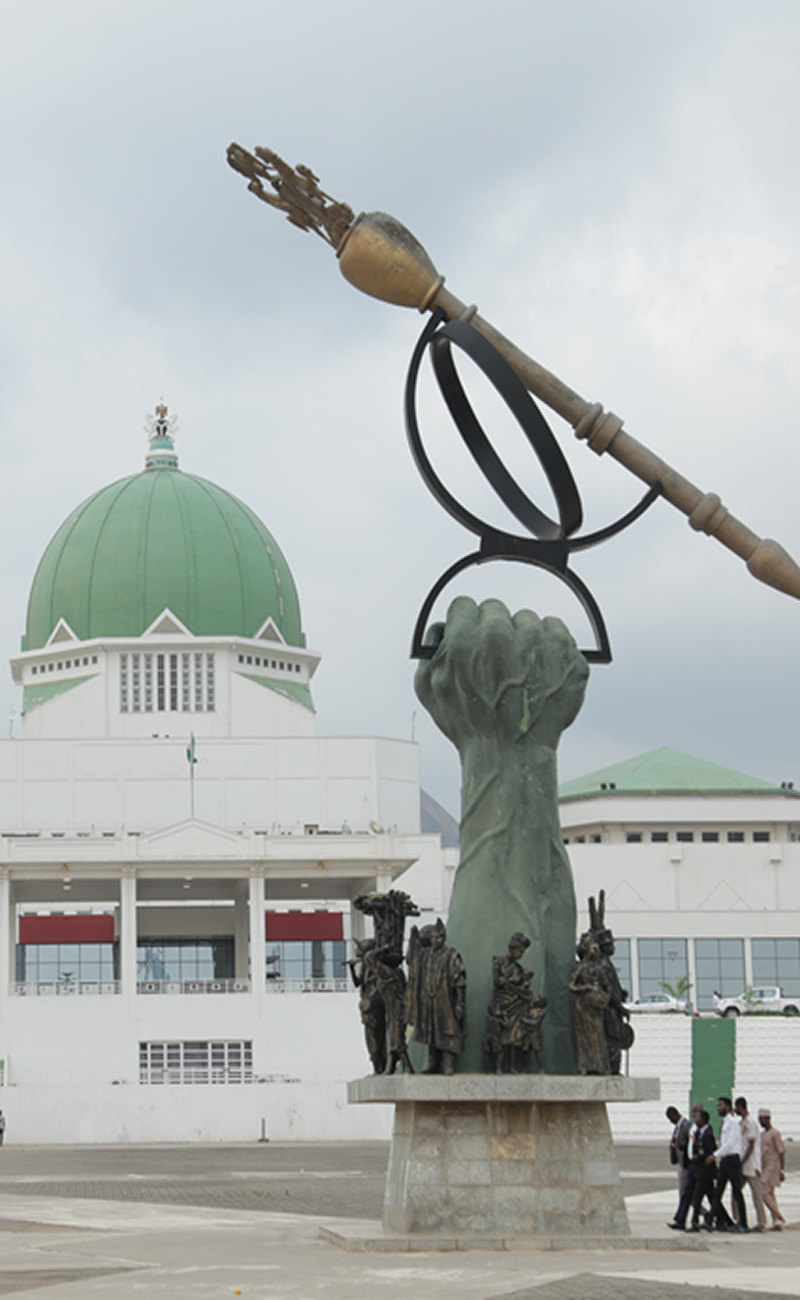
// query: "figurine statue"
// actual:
[[515, 1014], [619, 1032], [382, 972], [370, 1003], [436, 1004], [589, 1002]]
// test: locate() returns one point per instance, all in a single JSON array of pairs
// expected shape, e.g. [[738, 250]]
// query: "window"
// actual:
[[658, 837], [148, 683], [710, 837], [622, 961], [65, 963], [185, 688], [210, 683], [633, 837], [736, 837], [777, 961], [720, 966], [33, 670], [199, 1062], [661, 961], [173, 683], [160, 683], [302, 959], [761, 837], [123, 683], [198, 683], [136, 682], [684, 837], [185, 958]]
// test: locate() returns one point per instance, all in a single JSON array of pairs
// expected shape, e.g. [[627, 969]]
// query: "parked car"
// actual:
[[766, 999], [656, 1002]]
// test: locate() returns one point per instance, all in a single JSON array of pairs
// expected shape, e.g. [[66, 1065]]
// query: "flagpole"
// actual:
[[191, 760]]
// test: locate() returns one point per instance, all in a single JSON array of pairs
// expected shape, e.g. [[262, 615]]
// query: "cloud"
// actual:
[[610, 183]]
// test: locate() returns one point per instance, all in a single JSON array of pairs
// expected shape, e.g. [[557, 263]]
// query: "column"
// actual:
[[241, 932], [8, 940], [258, 941], [127, 931]]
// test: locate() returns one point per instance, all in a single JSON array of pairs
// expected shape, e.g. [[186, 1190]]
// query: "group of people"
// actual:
[[748, 1154]]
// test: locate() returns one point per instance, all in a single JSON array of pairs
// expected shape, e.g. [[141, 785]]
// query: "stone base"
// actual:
[[501, 1157]]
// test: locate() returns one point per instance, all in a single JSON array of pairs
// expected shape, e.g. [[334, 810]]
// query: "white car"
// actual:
[[656, 1002], [764, 999]]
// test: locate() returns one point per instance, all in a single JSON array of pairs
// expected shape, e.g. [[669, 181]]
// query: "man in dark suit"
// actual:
[[701, 1166]]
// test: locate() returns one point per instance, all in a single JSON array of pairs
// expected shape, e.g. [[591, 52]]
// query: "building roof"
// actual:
[[162, 539], [666, 771]]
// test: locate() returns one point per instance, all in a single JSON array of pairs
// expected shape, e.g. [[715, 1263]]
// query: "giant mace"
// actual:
[[382, 258]]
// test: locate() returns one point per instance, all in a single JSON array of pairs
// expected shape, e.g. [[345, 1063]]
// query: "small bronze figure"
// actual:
[[370, 1003], [383, 975], [515, 1014], [619, 1033], [436, 1004], [589, 1002]]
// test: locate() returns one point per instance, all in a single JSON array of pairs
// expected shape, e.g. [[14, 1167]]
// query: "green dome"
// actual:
[[162, 539]]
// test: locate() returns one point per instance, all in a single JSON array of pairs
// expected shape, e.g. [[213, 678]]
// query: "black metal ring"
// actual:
[[441, 336], [528, 416]]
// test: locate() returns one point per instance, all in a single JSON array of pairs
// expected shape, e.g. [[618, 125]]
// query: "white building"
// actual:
[[701, 868], [178, 849]]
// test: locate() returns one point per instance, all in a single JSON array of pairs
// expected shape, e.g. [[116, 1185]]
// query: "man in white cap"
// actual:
[[773, 1154]]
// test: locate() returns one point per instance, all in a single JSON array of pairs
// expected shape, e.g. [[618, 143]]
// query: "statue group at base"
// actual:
[[431, 1001], [600, 1021], [515, 1013], [437, 991]]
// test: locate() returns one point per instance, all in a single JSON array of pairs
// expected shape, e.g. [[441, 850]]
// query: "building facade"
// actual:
[[179, 850], [701, 868]]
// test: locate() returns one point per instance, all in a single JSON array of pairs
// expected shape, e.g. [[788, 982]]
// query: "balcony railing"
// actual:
[[308, 986], [64, 988], [150, 988], [192, 986]]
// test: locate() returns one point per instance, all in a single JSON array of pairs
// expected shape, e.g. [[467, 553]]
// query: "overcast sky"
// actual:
[[614, 182]]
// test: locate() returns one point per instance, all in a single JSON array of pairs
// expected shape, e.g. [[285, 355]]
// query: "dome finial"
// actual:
[[160, 429]]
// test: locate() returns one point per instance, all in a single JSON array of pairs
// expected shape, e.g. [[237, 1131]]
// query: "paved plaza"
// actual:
[[213, 1222]]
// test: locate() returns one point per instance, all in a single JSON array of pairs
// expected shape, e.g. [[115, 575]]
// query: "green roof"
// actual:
[[162, 539], [666, 771]]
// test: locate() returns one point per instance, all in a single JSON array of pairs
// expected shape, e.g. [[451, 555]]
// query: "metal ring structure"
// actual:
[[551, 542], [440, 337]]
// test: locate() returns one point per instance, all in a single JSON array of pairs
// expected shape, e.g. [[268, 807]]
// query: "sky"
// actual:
[[614, 183]]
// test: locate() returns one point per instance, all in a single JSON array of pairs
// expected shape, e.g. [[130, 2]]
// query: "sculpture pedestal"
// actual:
[[508, 1156]]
